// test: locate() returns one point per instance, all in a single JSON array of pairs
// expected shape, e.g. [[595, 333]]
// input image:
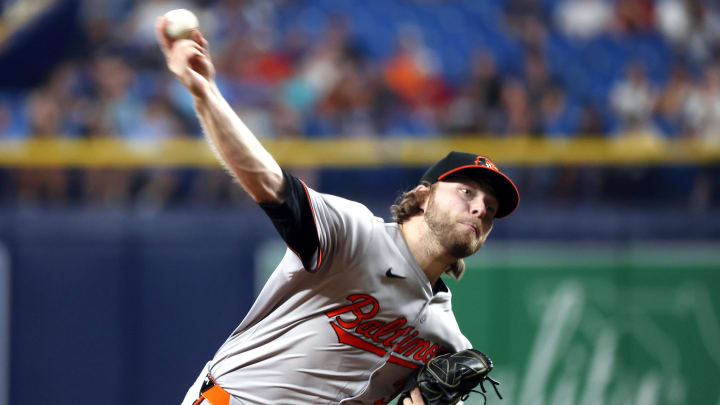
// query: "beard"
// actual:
[[456, 243]]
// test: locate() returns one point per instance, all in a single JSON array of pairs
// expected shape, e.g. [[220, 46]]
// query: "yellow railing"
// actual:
[[114, 152]]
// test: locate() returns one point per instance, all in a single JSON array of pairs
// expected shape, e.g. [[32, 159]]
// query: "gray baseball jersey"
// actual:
[[348, 326]]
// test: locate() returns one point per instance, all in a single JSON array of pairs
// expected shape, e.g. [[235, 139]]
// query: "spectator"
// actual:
[[583, 19], [476, 109], [672, 101], [538, 79], [633, 99], [557, 117], [112, 85], [43, 186], [98, 21], [693, 26], [591, 122], [413, 72], [317, 74], [527, 20], [348, 106], [518, 116], [702, 107], [633, 16], [157, 121], [673, 20]]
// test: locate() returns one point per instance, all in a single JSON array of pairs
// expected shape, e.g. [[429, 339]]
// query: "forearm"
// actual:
[[238, 149], [231, 141]]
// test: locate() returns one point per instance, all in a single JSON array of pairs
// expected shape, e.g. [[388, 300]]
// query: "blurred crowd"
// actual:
[[343, 68]]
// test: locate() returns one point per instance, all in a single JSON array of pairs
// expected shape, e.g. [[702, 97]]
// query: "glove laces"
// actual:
[[493, 383]]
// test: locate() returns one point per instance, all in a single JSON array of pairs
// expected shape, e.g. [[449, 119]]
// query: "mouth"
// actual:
[[474, 228]]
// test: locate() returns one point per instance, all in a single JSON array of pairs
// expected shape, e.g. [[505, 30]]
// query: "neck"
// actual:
[[425, 248]]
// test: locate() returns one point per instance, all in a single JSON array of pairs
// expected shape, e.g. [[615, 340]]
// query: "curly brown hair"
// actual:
[[408, 205]]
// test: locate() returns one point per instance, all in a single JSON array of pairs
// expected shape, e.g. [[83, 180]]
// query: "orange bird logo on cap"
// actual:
[[483, 161]]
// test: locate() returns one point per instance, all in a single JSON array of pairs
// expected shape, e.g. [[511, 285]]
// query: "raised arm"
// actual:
[[231, 141]]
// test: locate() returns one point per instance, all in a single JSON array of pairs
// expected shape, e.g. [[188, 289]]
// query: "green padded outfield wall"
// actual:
[[586, 324]]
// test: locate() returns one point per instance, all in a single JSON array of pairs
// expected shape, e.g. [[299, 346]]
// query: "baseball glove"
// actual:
[[450, 378]]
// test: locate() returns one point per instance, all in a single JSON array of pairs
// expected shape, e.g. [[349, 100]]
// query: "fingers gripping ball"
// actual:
[[180, 23], [448, 379]]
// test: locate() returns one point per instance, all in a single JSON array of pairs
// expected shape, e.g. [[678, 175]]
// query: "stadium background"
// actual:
[[127, 256]]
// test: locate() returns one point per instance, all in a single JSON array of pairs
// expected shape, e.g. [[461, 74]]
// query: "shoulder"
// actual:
[[338, 202], [341, 210]]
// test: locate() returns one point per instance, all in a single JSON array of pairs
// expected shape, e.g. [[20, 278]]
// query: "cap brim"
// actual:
[[505, 190]]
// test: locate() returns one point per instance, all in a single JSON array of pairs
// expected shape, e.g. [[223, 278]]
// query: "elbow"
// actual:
[[268, 189]]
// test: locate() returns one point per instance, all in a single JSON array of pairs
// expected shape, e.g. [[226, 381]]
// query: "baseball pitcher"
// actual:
[[356, 305]]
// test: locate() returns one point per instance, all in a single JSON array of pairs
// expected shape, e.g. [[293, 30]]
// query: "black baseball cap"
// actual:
[[480, 167]]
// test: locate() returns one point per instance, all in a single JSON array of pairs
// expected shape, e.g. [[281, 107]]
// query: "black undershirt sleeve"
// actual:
[[294, 220]]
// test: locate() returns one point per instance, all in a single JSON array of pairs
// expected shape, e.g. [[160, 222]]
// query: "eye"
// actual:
[[467, 192], [491, 209]]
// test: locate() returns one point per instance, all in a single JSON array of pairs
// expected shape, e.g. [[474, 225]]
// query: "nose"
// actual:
[[478, 208]]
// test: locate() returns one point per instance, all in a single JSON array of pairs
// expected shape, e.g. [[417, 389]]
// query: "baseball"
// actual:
[[180, 23]]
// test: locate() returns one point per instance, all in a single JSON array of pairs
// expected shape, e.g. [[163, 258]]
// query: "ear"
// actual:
[[423, 192]]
